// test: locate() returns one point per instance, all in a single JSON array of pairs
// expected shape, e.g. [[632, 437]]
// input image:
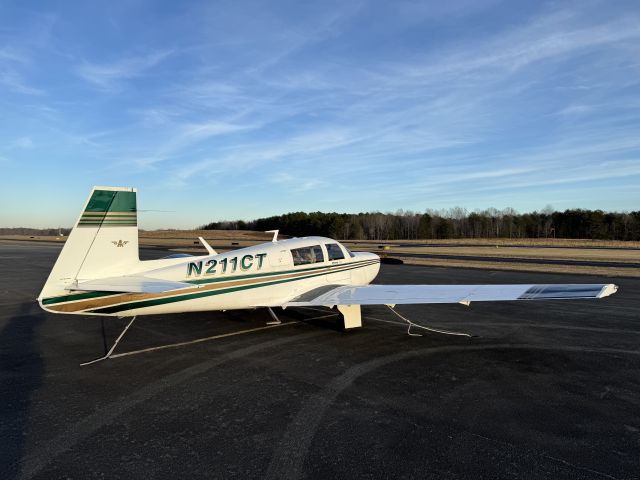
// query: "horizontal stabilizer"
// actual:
[[131, 284], [465, 294]]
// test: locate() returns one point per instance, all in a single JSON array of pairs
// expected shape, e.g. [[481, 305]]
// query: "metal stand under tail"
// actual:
[[435, 330], [113, 347], [276, 320]]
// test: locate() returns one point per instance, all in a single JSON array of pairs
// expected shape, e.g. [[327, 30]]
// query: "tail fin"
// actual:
[[103, 242]]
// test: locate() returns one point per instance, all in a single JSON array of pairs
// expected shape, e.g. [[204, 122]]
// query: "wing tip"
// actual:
[[608, 289]]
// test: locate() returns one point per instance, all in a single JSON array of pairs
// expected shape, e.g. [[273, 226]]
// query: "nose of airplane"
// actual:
[[367, 256], [374, 268]]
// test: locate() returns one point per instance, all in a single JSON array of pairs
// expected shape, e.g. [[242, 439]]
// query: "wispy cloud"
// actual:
[[176, 142], [22, 142], [10, 54], [108, 75], [295, 150], [355, 106], [298, 181], [16, 83], [20, 47], [571, 110], [555, 35], [12, 61]]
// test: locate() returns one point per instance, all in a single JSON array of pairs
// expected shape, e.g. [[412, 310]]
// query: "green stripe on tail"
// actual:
[[109, 208]]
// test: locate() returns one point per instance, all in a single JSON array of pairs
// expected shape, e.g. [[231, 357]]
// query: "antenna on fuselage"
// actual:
[[207, 246], [275, 235]]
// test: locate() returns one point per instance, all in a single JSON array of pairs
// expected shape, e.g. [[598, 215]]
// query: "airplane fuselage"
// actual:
[[262, 275]]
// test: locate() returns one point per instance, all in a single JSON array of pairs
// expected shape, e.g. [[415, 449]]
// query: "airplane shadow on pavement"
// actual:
[[21, 371]]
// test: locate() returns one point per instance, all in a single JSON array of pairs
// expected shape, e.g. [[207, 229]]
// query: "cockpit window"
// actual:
[[305, 255], [334, 251]]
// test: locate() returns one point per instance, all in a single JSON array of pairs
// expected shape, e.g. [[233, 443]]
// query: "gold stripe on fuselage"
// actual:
[[90, 304]]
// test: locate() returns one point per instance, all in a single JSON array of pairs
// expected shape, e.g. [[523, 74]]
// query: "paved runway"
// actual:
[[535, 261], [548, 390]]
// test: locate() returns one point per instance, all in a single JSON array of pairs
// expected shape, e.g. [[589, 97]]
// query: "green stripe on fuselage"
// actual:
[[329, 269], [192, 296]]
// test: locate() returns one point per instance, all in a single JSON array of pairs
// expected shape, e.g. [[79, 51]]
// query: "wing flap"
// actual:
[[131, 284], [415, 294]]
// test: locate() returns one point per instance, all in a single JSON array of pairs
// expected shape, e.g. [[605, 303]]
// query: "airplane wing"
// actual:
[[331, 295], [131, 284]]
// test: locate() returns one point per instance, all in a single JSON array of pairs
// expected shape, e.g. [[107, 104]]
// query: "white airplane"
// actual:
[[98, 272]]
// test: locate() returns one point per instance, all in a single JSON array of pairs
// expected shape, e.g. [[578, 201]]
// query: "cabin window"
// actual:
[[334, 251], [305, 255]]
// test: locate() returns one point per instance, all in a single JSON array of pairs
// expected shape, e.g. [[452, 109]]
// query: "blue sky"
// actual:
[[238, 109]]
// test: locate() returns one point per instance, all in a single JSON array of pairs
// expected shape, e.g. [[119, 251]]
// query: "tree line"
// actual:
[[450, 223], [51, 232]]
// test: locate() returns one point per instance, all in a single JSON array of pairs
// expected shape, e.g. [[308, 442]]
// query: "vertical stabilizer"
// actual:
[[103, 242]]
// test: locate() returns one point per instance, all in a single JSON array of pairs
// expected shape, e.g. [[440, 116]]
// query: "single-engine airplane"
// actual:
[[98, 272]]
